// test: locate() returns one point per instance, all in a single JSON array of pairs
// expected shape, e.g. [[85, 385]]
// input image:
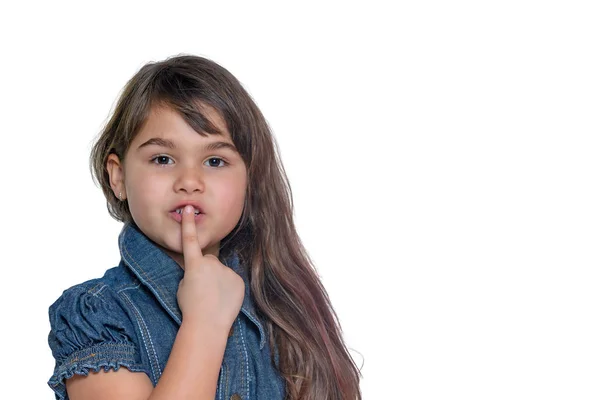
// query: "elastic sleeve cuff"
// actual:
[[105, 356]]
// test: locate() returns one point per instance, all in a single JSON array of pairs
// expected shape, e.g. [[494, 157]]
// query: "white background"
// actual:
[[443, 158]]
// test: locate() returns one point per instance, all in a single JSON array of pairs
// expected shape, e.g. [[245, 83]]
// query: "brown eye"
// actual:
[[215, 162], [161, 160]]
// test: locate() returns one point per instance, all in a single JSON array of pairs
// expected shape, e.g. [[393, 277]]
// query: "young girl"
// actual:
[[215, 295]]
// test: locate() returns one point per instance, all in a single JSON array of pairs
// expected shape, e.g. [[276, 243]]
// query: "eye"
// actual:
[[161, 160], [217, 159]]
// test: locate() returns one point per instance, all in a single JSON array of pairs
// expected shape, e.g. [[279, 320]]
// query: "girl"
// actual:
[[215, 295]]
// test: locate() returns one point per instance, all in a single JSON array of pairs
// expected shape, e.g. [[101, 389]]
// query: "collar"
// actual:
[[161, 274]]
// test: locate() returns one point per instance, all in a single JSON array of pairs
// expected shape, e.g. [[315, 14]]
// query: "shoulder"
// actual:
[[92, 296], [90, 329], [91, 288], [91, 306]]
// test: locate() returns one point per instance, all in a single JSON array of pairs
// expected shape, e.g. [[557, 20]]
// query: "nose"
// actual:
[[190, 180]]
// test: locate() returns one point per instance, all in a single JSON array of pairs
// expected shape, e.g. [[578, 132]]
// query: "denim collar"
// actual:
[[161, 274]]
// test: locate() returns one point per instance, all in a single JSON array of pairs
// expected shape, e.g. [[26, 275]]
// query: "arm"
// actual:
[[193, 367], [191, 372]]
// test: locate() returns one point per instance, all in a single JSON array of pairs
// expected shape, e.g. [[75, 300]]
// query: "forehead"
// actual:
[[164, 121]]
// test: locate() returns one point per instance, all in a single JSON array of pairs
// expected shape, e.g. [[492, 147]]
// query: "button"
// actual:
[[235, 396], [230, 335]]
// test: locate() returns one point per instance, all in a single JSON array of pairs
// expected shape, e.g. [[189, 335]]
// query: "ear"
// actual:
[[116, 175]]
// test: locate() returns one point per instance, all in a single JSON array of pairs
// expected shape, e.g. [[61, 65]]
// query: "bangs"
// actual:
[[193, 114], [188, 96]]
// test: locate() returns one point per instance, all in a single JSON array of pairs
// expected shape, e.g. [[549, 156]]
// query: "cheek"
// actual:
[[231, 198], [146, 191]]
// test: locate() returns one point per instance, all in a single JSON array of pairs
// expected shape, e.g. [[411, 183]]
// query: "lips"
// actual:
[[179, 207], [179, 217], [180, 211], [177, 212]]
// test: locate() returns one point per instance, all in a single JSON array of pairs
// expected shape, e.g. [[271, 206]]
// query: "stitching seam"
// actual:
[[246, 358], [154, 364]]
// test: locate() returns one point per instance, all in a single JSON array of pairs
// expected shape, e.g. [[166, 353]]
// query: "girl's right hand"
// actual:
[[210, 293]]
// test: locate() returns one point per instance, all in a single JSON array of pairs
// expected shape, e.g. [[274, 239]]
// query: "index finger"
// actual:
[[192, 252]]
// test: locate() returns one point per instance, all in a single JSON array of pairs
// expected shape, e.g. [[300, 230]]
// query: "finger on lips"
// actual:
[[191, 248]]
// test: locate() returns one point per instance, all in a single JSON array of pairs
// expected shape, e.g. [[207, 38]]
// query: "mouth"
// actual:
[[180, 211], [177, 215]]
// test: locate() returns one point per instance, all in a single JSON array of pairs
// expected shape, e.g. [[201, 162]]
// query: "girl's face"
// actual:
[[167, 164]]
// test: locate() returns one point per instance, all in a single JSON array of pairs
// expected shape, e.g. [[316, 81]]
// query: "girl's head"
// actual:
[[185, 130]]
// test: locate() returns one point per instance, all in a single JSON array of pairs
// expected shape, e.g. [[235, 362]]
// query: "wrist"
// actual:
[[204, 328]]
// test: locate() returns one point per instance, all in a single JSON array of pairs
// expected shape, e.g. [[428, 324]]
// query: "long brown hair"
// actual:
[[289, 295]]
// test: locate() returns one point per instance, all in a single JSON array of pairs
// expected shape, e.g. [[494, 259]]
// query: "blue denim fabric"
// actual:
[[130, 317]]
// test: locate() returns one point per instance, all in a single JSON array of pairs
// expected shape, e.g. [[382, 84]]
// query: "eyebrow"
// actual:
[[171, 145]]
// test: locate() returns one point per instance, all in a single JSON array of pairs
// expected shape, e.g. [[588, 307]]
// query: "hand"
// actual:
[[210, 293]]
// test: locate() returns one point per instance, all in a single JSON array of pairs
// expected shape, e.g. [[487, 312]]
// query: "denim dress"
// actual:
[[130, 317]]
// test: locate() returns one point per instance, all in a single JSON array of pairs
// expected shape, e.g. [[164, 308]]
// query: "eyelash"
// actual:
[[153, 160]]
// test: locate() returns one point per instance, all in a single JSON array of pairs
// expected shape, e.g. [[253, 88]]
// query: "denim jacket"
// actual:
[[130, 317]]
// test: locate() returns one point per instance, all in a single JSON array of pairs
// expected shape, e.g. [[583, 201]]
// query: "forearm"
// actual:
[[192, 370]]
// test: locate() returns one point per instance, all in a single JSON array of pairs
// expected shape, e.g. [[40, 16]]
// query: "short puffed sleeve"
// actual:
[[90, 330]]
